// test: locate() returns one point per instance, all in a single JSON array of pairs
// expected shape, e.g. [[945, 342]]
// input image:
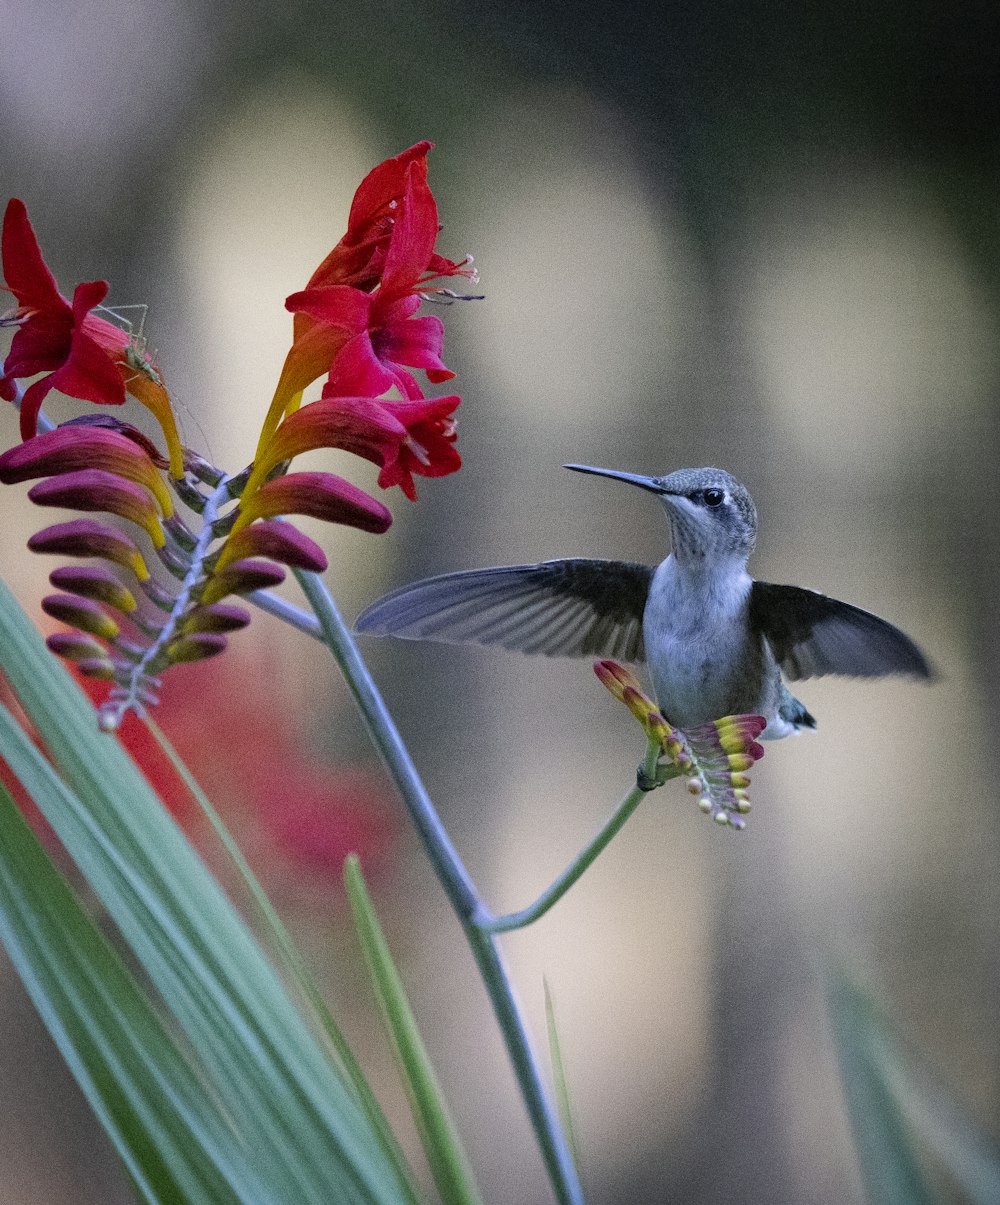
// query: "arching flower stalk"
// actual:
[[163, 597]]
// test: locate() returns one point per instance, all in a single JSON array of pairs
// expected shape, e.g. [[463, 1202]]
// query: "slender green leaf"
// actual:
[[170, 1135], [883, 1138], [303, 1130], [294, 962], [559, 1075], [442, 1145], [965, 1152]]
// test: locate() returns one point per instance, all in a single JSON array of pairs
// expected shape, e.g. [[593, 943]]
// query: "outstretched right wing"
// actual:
[[812, 635], [567, 608]]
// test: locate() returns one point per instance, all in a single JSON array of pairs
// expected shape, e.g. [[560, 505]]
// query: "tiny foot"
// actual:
[[646, 782]]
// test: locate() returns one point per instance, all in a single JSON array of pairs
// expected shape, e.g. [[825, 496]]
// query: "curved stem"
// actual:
[[455, 879], [274, 604], [612, 826]]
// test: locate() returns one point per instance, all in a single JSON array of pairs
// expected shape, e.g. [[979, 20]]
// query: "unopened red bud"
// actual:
[[241, 577], [96, 582], [75, 646], [217, 617], [87, 537], [278, 542], [321, 495], [196, 647], [82, 613], [99, 490]]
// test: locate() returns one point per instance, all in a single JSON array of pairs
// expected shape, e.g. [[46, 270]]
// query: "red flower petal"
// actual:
[[357, 369], [334, 305], [418, 343], [31, 403], [89, 371], [413, 234], [40, 345], [24, 270]]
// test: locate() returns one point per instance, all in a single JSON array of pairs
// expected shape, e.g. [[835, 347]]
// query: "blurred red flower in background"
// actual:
[[293, 813]]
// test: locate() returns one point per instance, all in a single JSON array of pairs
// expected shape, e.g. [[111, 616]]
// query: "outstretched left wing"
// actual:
[[568, 608]]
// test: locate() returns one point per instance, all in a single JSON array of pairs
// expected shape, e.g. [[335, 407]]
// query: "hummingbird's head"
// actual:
[[712, 516]]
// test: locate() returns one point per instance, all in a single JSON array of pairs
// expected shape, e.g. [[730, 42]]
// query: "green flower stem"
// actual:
[[458, 886], [552, 895], [289, 612]]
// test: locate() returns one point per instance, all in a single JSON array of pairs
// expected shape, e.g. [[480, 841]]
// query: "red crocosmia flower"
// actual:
[[82, 354], [359, 256], [369, 283], [386, 337], [402, 438], [75, 348], [427, 446]]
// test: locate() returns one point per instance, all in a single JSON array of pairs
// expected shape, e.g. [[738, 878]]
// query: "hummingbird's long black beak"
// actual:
[[646, 483]]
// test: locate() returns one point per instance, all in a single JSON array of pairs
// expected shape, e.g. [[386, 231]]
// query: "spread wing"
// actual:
[[568, 608], [812, 635]]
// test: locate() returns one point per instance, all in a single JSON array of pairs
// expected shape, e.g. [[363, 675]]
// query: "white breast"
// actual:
[[695, 632]]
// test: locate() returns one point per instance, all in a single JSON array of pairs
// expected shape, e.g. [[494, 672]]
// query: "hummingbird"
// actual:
[[715, 641]]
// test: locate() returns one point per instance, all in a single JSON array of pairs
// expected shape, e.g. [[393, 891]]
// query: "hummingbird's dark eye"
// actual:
[[714, 497]]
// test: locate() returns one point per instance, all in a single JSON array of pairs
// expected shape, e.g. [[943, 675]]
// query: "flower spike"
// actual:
[[714, 757], [355, 323]]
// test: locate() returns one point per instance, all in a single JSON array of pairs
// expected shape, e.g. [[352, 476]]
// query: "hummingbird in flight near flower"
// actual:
[[715, 641]]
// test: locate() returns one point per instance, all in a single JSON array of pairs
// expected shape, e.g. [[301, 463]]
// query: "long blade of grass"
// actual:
[[967, 1154], [293, 959], [302, 1127], [172, 1138], [559, 1075], [883, 1138], [448, 1161]]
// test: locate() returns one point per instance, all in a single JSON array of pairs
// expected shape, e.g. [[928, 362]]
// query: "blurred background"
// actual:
[[759, 236]]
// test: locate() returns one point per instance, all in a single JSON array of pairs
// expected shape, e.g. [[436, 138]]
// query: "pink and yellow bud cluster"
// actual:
[[713, 757]]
